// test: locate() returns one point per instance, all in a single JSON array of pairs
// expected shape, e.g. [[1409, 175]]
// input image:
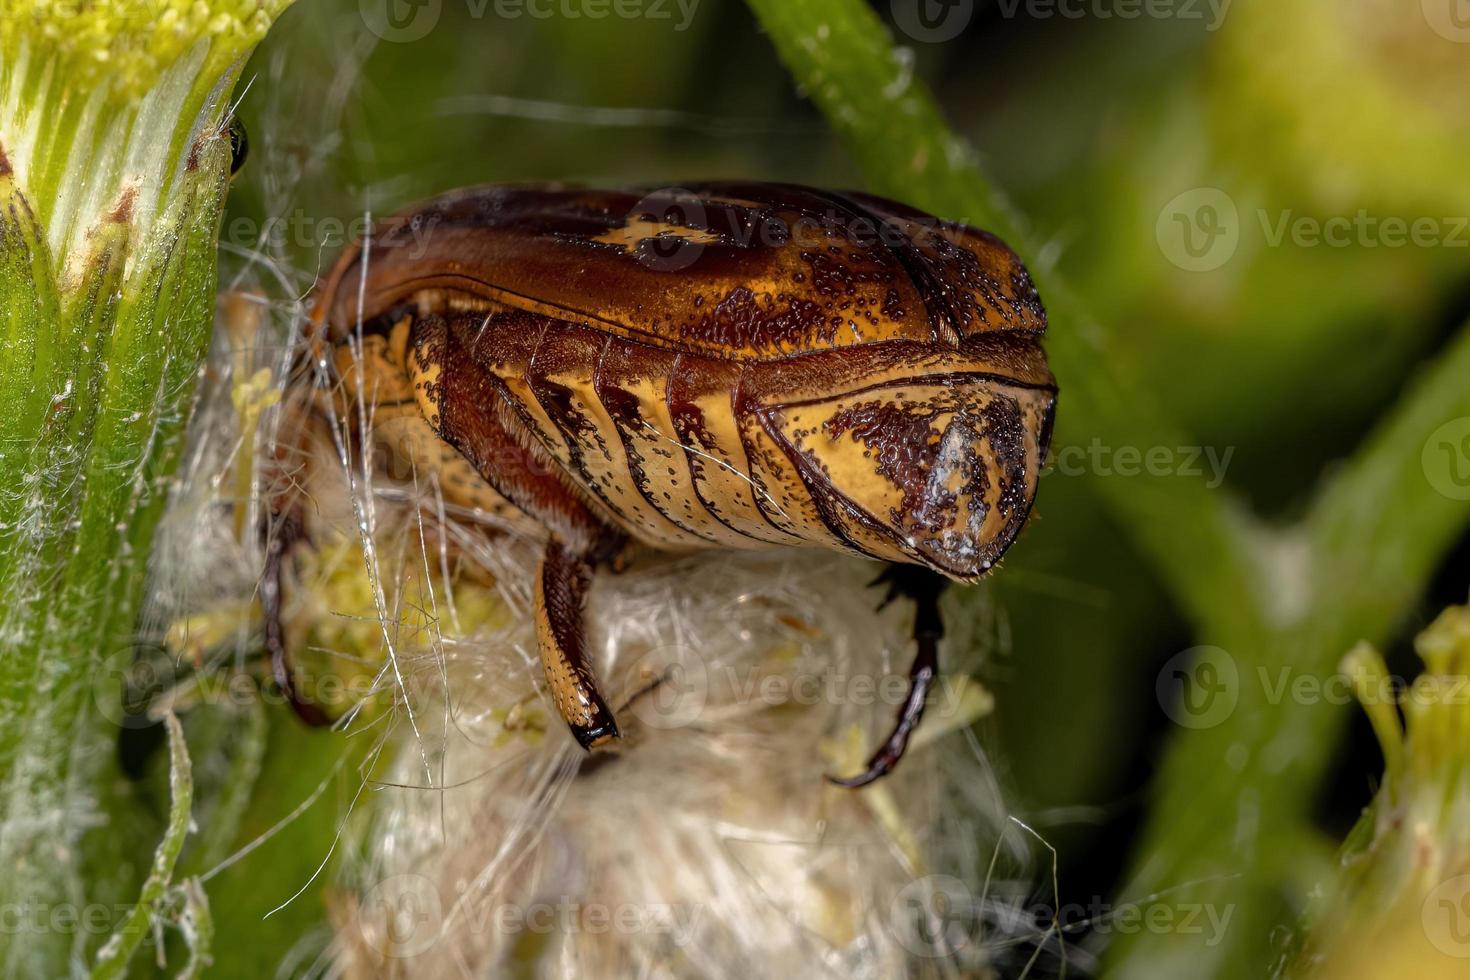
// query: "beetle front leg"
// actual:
[[280, 541], [562, 582], [925, 588]]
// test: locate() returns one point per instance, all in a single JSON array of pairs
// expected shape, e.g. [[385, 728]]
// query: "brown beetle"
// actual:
[[723, 366]]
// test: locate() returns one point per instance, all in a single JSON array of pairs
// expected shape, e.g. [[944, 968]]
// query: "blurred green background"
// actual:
[[1132, 144]]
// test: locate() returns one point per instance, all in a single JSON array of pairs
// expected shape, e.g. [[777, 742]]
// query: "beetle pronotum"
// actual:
[[723, 366]]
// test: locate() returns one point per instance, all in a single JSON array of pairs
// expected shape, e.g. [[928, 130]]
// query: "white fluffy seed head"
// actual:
[[709, 843]]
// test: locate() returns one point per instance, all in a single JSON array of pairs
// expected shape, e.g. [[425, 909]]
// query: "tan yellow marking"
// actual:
[[722, 474], [606, 461], [403, 417], [960, 447], [561, 679], [786, 496], [666, 467], [453, 301], [634, 232], [376, 374], [425, 375]]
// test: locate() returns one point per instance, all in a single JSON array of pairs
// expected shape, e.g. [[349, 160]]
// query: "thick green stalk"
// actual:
[[113, 170], [1233, 797], [1233, 801]]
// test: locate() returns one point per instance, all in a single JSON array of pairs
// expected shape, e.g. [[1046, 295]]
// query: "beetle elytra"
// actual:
[[721, 366]]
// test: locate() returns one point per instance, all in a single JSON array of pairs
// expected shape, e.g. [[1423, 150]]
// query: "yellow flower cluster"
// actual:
[[133, 41]]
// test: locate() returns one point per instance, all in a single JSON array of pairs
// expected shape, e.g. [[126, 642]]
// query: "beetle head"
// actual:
[[937, 471]]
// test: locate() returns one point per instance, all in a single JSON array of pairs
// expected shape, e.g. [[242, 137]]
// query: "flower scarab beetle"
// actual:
[[720, 366]]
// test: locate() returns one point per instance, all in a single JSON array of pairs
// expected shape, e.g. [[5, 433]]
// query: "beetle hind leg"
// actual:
[[924, 588], [562, 583]]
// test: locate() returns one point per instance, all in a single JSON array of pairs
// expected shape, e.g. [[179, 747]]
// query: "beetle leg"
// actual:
[[287, 534], [925, 588], [562, 582]]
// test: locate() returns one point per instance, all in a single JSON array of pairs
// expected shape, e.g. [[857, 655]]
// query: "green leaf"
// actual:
[[112, 959]]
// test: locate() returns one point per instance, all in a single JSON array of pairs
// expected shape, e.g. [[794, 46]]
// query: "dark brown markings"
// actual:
[[903, 441], [778, 269], [900, 438], [742, 321], [565, 581], [690, 377], [773, 459], [624, 362], [893, 305], [974, 271], [473, 405], [568, 349], [888, 242], [1005, 432]]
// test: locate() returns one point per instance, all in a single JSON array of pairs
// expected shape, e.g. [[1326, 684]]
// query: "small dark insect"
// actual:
[[728, 366], [239, 145]]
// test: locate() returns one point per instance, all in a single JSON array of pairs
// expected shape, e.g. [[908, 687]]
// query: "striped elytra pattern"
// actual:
[[720, 366]]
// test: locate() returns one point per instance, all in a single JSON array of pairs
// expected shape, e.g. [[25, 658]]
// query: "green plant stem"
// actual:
[[1232, 801], [113, 172]]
